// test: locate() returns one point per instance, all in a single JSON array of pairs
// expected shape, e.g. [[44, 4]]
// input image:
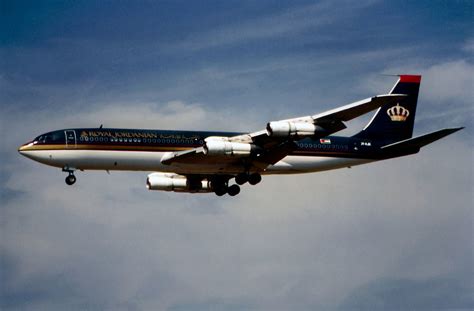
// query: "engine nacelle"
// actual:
[[288, 128], [176, 183], [222, 147]]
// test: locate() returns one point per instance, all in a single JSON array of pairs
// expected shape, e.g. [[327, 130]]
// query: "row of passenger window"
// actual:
[[323, 146], [137, 140]]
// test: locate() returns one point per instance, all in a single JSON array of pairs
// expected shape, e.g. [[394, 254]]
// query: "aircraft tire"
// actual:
[[70, 180], [255, 178], [221, 191], [233, 190], [241, 179]]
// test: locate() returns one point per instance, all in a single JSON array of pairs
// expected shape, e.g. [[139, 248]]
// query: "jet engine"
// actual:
[[222, 147], [288, 128], [176, 183]]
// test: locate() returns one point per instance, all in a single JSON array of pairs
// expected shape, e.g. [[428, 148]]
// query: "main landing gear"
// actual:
[[221, 186], [252, 179], [233, 190], [222, 189], [70, 179], [230, 190]]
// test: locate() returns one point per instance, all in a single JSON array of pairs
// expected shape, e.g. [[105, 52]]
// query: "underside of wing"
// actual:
[[200, 161]]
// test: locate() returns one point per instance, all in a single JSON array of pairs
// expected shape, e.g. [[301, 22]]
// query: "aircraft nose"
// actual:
[[28, 150], [25, 147]]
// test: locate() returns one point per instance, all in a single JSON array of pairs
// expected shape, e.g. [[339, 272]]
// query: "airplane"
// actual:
[[206, 162]]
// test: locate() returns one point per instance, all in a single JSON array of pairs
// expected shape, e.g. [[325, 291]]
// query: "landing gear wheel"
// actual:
[[219, 185], [233, 190], [255, 178], [70, 180], [220, 191], [241, 179]]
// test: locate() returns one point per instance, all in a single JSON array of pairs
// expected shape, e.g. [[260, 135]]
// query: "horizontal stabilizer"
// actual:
[[420, 141]]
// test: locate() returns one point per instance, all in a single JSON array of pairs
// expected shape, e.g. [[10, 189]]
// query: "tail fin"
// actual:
[[393, 123]]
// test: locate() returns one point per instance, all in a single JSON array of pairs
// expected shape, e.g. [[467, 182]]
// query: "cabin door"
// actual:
[[70, 139]]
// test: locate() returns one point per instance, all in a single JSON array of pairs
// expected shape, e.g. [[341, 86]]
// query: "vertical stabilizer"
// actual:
[[394, 122]]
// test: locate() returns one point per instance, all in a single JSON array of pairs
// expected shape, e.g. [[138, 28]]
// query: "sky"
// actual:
[[396, 234]]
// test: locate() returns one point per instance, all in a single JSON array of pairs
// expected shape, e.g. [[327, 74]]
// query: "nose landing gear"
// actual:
[[70, 179]]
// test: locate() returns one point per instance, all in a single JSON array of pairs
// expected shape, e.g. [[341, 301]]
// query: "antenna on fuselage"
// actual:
[[100, 126]]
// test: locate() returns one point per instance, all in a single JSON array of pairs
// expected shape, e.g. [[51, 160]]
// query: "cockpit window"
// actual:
[[56, 137]]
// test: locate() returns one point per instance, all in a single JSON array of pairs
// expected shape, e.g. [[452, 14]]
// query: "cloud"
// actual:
[[346, 239], [289, 22], [443, 81], [397, 294], [450, 81], [294, 242], [469, 46]]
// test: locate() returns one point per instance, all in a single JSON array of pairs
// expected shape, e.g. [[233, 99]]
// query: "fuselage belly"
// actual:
[[151, 161]]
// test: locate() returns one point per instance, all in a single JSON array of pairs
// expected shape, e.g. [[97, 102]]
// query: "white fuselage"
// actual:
[[151, 161]]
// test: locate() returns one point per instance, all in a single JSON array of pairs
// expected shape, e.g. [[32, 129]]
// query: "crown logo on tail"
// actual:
[[398, 113]]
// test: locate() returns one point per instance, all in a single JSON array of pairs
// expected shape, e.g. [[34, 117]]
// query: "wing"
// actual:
[[331, 121], [259, 149]]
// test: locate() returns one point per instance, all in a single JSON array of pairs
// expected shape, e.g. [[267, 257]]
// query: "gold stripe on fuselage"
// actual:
[[103, 147], [154, 149]]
